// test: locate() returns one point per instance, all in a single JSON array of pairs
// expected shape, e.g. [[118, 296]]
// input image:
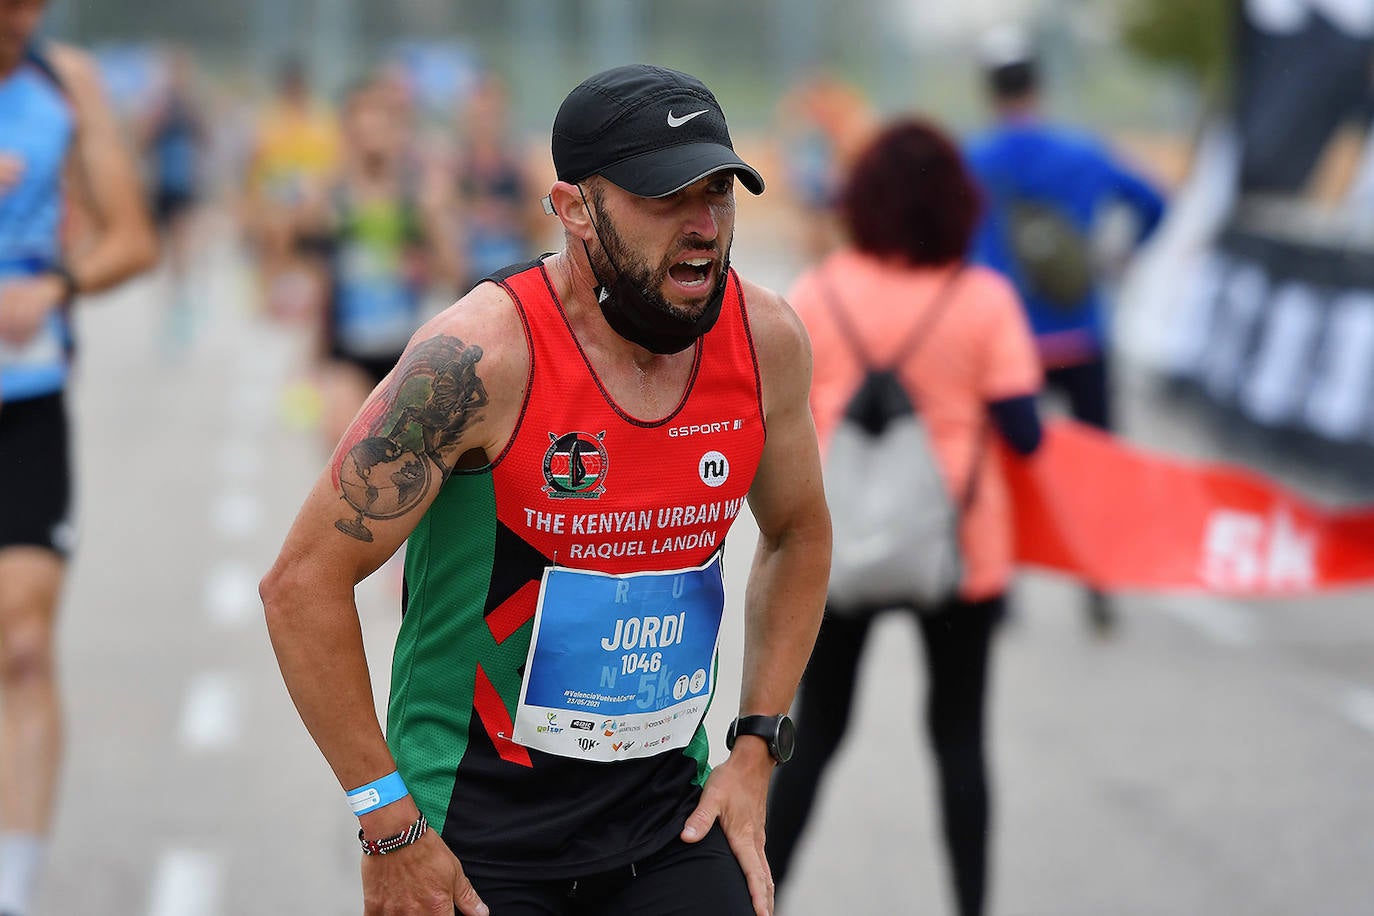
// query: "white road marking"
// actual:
[[231, 595], [236, 515], [210, 719], [1357, 704], [253, 401], [264, 352], [187, 883], [1225, 623], [241, 461]]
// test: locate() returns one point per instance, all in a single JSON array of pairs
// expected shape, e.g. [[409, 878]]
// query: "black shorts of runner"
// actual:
[[168, 205], [375, 368], [35, 465], [682, 879]]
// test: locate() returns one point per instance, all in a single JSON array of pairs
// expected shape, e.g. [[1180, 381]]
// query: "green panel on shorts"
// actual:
[[442, 639]]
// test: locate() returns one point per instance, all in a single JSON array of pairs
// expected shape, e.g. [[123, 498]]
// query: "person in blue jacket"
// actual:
[[1046, 186]]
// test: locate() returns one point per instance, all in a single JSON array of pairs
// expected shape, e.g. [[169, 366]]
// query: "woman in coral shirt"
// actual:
[[910, 209]]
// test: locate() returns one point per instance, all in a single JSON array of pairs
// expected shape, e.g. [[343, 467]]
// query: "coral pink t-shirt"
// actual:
[[979, 350]]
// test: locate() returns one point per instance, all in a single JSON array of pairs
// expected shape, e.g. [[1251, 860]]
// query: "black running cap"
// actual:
[[649, 130]]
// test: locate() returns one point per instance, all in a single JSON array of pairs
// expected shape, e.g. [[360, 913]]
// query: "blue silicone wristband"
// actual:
[[377, 793]]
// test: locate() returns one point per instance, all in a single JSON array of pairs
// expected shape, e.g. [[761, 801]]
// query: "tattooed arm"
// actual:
[[451, 401], [410, 434]]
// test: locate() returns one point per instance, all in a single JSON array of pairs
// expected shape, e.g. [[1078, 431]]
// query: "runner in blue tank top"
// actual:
[[58, 132], [175, 139]]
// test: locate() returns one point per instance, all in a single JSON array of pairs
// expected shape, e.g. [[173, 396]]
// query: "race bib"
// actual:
[[41, 351], [620, 667]]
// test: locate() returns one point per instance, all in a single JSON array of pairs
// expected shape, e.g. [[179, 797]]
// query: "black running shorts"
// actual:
[[375, 368], [35, 466], [682, 879]]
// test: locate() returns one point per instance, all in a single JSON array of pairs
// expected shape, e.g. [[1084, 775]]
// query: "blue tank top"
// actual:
[[377, 293], [495, 235], [176, 149], [39, 124]]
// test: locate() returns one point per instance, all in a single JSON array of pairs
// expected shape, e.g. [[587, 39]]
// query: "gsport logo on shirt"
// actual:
[[704, 429]]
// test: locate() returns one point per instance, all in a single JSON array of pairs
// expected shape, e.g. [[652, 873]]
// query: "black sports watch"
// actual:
[[779, 731], [69, 286]]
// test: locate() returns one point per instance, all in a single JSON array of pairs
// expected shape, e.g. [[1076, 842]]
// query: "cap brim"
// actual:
[[666, 171]]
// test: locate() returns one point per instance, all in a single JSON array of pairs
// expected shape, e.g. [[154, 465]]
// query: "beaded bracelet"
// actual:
[[393, 843]]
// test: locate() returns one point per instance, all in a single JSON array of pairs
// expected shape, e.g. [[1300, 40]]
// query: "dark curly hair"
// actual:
[[910, 196]]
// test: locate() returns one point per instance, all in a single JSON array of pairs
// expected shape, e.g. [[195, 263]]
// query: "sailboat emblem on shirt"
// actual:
[[575, 466]]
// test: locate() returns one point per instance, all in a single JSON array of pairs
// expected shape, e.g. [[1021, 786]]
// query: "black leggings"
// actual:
[[957, 641], [1088, 388]]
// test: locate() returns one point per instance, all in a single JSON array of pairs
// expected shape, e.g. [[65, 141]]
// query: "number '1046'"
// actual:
[[631, 663]]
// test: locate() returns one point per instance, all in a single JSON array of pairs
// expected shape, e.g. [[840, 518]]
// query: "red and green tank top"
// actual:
[[586, 485]]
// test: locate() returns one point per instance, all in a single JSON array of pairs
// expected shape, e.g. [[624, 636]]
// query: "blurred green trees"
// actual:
[[1193, 37]]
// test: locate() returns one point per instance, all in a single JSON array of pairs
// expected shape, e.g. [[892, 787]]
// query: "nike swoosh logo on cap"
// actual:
[[678, 122]]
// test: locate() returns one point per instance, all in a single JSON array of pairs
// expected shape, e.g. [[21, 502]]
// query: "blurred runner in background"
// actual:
[[499, 216], [381, 229], [175, 142], [823, 124], [59, 133], [1046, 188], [296, 148]]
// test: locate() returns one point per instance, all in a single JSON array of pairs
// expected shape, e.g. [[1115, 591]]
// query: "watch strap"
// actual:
[[760, 726], [61, 271]]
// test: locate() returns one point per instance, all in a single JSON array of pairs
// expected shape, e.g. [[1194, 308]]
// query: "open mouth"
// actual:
[[692, 273]]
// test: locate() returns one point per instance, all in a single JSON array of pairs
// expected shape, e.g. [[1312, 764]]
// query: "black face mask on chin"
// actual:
[[641, 320]]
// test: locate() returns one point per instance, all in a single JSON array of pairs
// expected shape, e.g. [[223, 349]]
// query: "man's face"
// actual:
[[376, 130], [681, 242], [18, 23]]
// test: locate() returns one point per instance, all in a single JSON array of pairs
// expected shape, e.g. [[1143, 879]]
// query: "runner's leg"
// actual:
[[344, 386], [1088, 388], [684, 879], [823, 707], [35, 532], [30, 716], [506, 897], [957, 643]]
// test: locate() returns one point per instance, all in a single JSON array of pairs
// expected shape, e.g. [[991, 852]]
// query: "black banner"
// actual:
[[1277, 327], [1302, 70], [1281, 331]]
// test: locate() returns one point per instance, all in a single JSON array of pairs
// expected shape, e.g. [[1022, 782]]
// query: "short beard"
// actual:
[[636, 270]]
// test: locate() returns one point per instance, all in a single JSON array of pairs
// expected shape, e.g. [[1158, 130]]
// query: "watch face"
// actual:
[[787, 738]]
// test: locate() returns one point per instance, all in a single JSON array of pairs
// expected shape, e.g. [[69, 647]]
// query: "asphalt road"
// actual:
[[1214, 757]]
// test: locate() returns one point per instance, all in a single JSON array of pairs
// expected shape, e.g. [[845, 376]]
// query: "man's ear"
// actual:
[[568, 205]]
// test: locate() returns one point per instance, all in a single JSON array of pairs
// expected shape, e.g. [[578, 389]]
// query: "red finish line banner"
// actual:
[[1088, 505]]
